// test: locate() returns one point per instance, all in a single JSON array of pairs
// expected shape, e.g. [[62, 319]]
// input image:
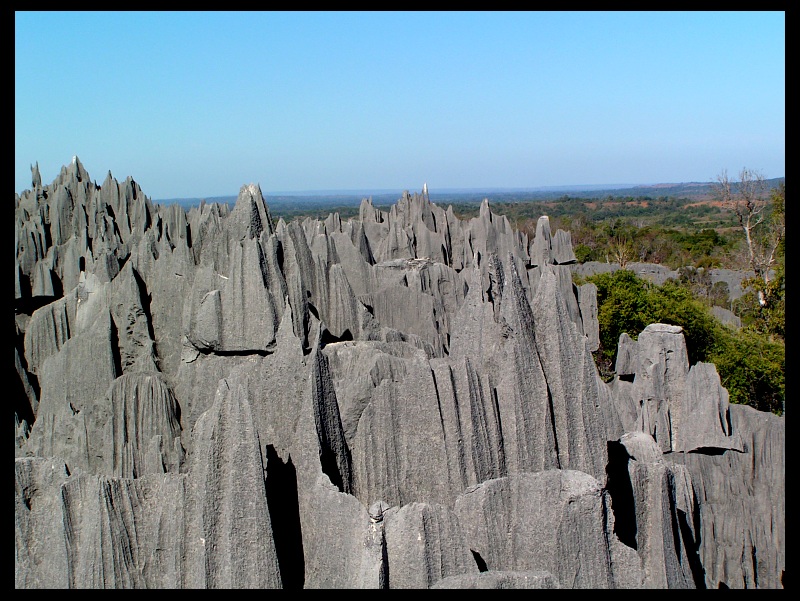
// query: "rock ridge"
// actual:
[[403, 399]]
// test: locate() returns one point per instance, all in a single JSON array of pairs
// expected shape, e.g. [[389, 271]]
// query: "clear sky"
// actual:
[[196, 104]]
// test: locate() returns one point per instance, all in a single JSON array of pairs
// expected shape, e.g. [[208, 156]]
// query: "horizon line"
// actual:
[[445, 190]]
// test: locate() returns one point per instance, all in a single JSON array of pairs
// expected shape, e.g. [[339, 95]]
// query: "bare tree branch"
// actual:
[[763, 232]]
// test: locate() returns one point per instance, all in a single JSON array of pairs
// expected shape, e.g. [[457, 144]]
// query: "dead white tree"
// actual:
[[621, 250], [763, 230]]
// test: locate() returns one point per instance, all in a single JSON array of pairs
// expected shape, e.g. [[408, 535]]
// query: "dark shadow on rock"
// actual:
[[115, 352], [619, 487], [327, 338], [479, 561], [692, 546], [284, 513]]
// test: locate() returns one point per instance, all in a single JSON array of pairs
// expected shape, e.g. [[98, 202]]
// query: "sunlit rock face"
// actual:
[[405, 399]]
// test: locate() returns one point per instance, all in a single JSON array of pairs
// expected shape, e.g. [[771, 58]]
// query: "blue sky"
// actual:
[[196, 104]]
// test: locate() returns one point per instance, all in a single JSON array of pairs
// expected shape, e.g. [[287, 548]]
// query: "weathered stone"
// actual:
[[399, 400]]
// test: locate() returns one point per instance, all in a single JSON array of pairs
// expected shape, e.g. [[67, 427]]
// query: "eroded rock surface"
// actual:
[[214, 399]]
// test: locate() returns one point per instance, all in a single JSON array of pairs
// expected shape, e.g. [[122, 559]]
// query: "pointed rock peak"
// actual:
[[76, 169], [255, 190], [541, 252], [36, 177], [250, 192], [485, 211], [333, 223], [543, 225], [548, 282], [561, 245], [253, 213]]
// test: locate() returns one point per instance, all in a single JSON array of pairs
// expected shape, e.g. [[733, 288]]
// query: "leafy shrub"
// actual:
[[583, 253], [621, 307], [627, 303], [752, 368]]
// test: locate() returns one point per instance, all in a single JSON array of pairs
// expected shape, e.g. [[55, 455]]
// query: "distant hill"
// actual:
[[290, 202]]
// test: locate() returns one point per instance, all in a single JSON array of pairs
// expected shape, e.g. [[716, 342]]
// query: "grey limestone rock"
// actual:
[[684, 408], [498, 579], [425, 544], [406, 399], [545, 521], [732, 278], [742, 504], [541, 247], [231, 544], [663, 500], [562, 248], [653, 272], [727, 317], [587, 302]]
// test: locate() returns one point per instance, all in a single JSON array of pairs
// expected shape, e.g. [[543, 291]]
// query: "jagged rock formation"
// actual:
[[401, 400]]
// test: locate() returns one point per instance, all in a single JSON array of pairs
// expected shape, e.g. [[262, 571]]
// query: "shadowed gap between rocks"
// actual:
[[334, 454], [330, 468], [681, 531], [621, 491], [552, 413], [327, 338], [711, 451], [28, 304], [115, 352], [692, 546], [144, 299], [58, 287], [284, 514], [22, 404], [479, 561], [245, 353]]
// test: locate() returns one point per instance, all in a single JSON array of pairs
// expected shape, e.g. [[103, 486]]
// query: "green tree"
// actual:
[[751, 367], [621, 307], [675, 305]]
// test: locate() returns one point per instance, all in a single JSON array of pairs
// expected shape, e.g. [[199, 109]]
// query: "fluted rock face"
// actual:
[[405, 399], [723, 460], [550, 521], [683, 408], [440, 550]]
